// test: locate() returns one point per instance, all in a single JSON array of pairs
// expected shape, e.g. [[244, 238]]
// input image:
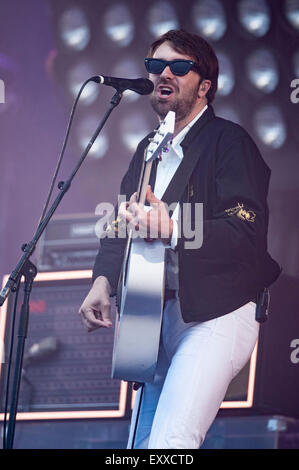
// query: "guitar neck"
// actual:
[[144, 178], [162, 137], [144, 181]]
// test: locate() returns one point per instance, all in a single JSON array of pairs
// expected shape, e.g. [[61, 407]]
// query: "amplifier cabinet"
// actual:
[[70, 242], [72, 379]]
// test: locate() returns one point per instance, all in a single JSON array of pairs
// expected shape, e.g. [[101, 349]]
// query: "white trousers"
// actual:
[[196, 364]]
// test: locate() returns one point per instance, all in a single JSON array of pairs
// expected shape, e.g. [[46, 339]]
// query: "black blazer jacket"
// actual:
[[222, 168]]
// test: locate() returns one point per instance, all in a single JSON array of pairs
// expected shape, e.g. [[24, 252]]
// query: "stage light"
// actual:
[[226, 78], [74, 29], [133, 129], [262, 70], [77, 76], [119, 24], [85, 130], [129, 67], [228, 112], [209, 18], [296, 64], [270, 126], [291, 9], [161, 18], [10, 101], [254, 16]]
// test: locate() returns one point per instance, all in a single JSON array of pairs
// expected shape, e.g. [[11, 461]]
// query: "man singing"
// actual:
[[209, 326]]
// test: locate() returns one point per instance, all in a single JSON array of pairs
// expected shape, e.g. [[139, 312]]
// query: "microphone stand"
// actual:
[[27, 269]]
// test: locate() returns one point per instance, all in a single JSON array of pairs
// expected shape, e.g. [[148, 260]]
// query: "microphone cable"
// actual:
[[62, 151]]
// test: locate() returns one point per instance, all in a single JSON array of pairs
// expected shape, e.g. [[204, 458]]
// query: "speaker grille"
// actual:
[[76, 373]]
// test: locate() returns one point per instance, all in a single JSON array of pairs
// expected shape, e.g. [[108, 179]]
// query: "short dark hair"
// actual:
[[198, 49]]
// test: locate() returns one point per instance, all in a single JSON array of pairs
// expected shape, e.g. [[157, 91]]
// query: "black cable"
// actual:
[[62, 151], [10, 361]]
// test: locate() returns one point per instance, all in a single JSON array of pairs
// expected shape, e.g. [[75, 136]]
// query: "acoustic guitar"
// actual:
[[141, 286]]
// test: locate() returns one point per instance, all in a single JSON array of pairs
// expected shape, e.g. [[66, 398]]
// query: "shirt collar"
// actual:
[[180, 136]]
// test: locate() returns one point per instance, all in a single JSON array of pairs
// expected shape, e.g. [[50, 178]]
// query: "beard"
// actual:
[[181, 105]]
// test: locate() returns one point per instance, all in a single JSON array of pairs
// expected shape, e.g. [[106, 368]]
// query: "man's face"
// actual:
[[183, 97]]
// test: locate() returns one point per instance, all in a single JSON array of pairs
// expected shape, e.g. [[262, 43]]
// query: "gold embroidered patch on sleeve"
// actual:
[[191, 190], [242, 213]]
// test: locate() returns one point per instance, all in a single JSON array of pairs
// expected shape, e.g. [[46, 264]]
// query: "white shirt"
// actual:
[[167, 167]]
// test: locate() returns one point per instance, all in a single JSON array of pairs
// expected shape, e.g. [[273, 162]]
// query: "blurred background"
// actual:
[[48, 48]]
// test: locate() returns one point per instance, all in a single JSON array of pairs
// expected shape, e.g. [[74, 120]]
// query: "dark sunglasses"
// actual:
[[177, 67]]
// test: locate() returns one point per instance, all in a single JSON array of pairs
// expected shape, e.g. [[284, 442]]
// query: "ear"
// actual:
[[204, 88]]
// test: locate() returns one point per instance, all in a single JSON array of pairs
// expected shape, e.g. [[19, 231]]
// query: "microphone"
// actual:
[[143, 86], [42, 350]]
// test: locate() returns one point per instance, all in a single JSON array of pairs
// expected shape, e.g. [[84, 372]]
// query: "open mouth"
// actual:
[[164, 91]]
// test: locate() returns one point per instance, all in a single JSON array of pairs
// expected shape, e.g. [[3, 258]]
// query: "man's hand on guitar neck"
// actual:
[[95, 310], [151, 224]]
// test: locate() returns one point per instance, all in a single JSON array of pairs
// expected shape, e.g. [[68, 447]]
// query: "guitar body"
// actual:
[[137, 329], [141, 297]]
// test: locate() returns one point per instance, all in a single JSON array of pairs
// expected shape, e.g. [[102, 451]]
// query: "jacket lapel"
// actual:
[[192, 154]]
